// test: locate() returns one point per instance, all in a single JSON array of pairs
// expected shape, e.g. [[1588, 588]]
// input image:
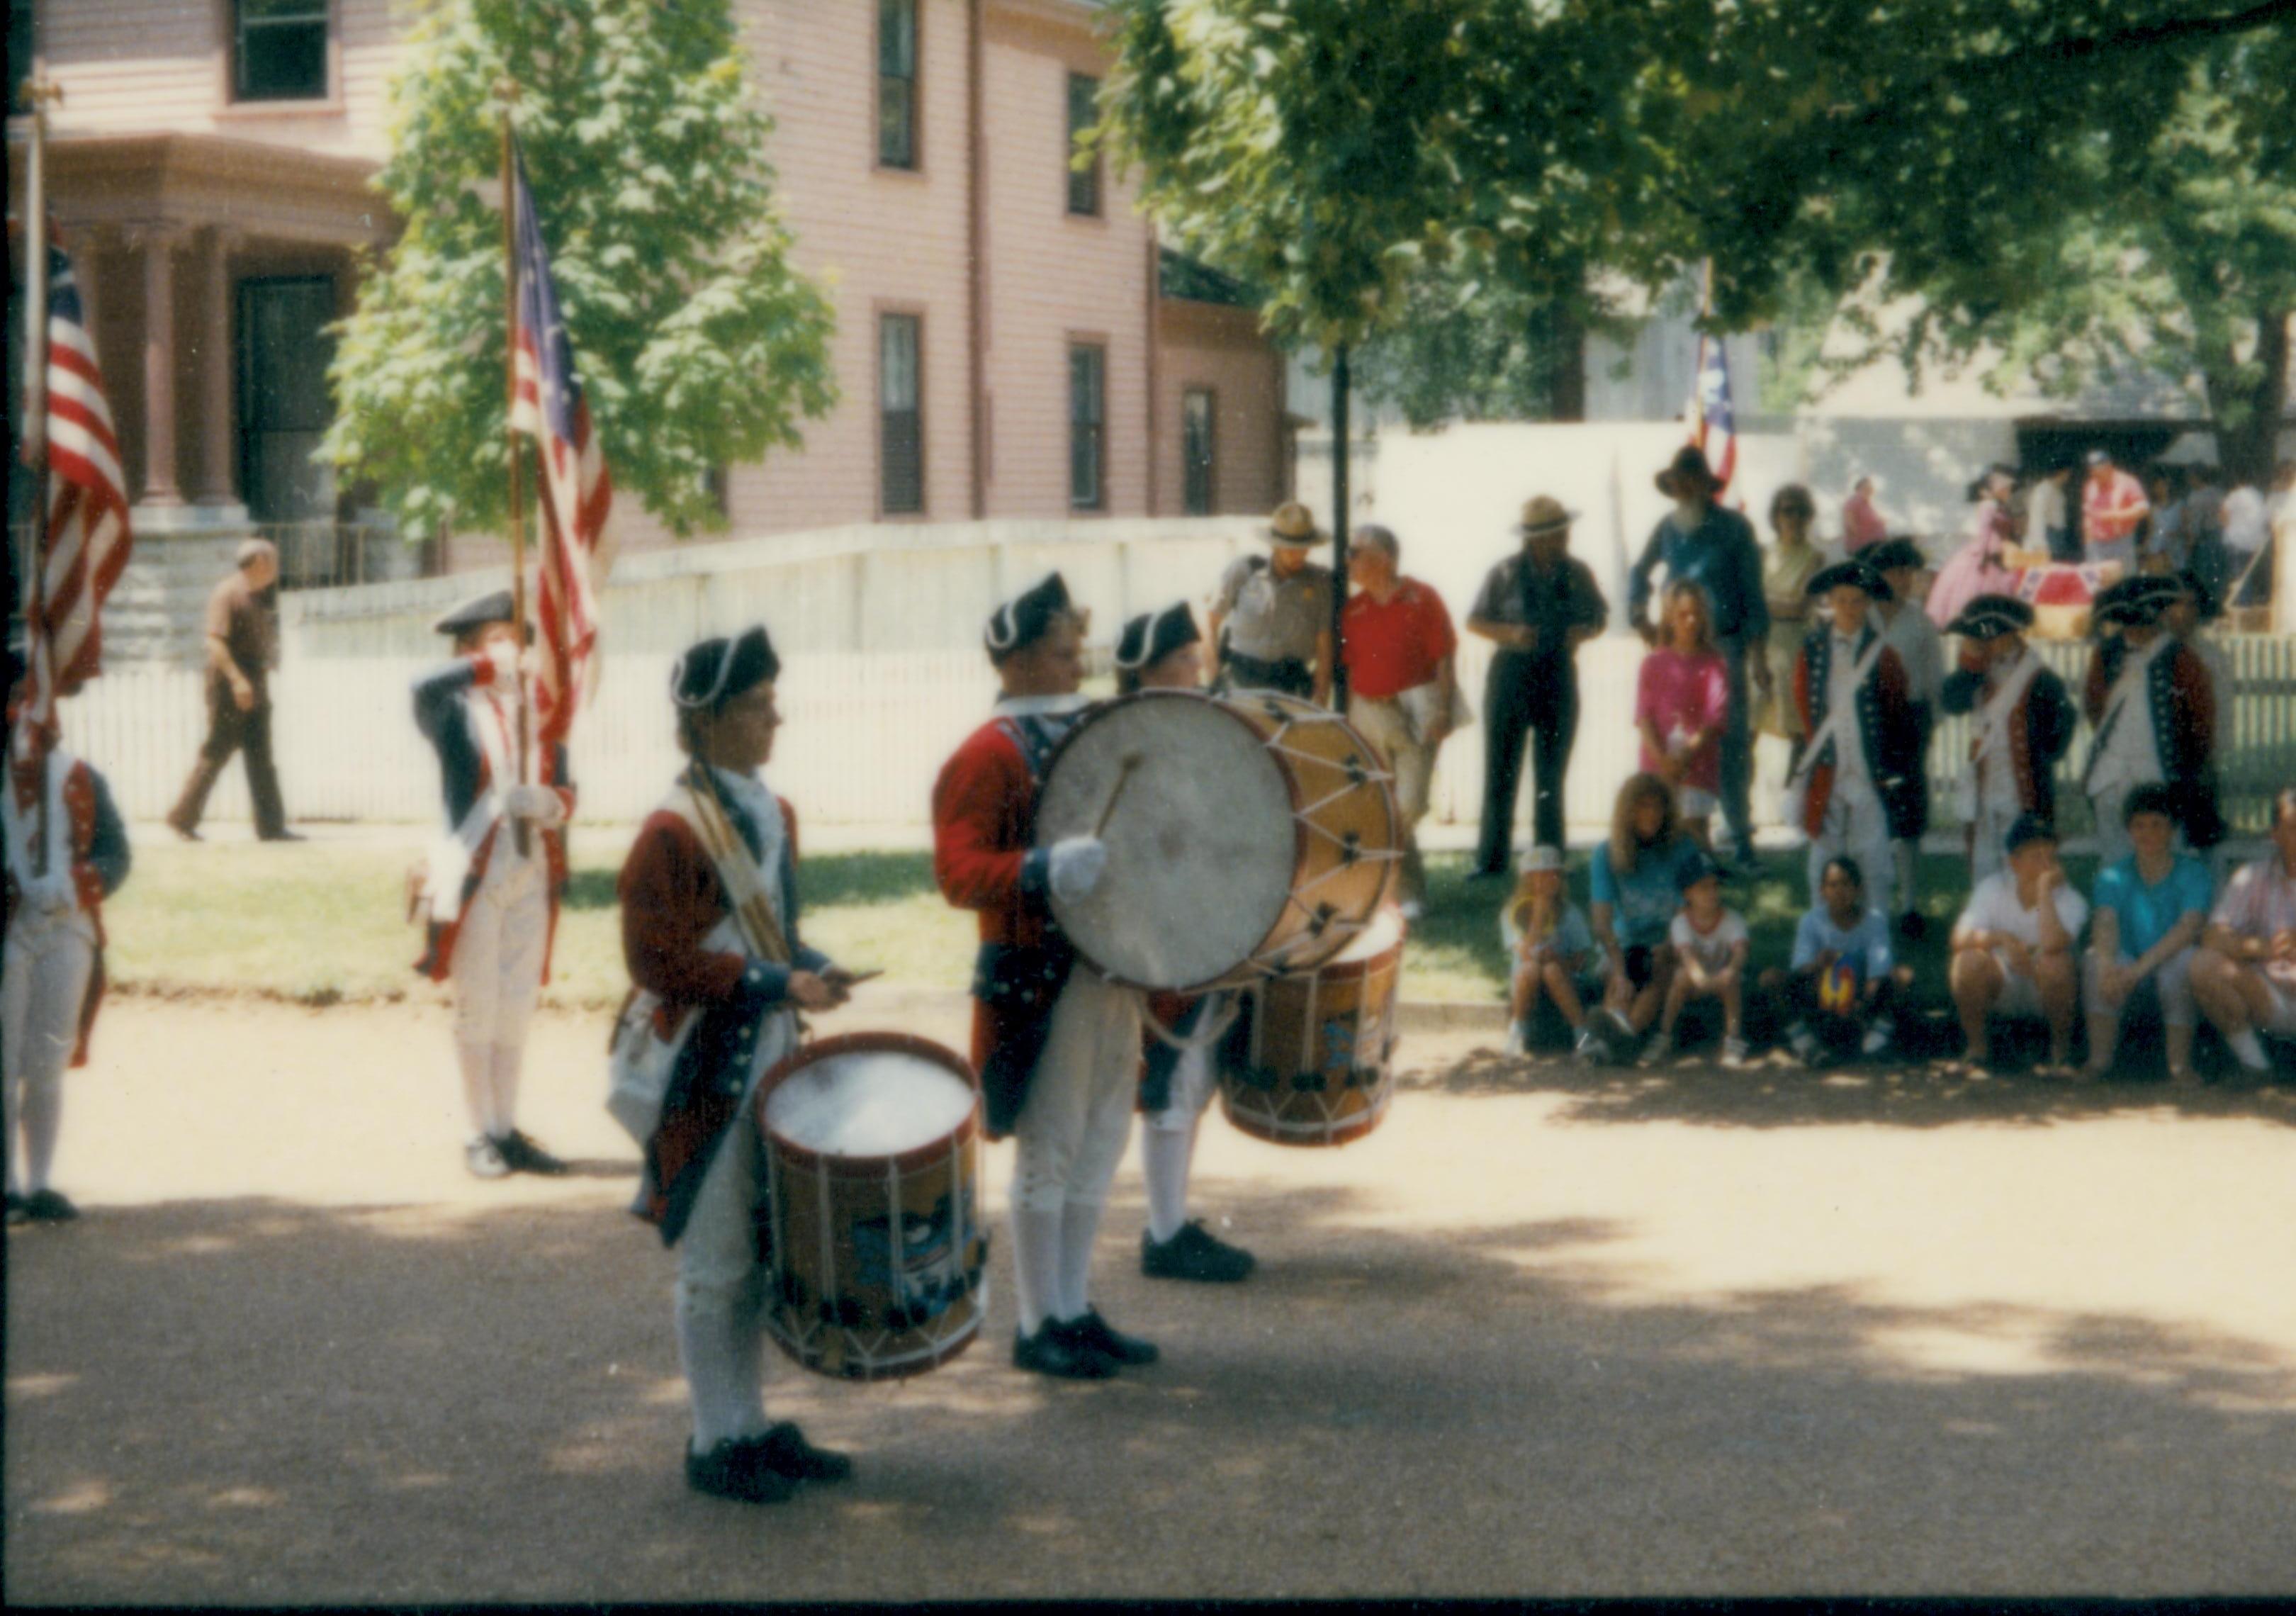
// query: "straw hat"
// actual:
[[1293, 525], [1543, 515]]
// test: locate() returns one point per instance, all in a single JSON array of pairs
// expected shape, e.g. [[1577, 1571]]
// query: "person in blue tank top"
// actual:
[[2150, 910]]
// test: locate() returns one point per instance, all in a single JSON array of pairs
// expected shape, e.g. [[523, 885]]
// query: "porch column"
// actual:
[[217, 359], [160, 487]]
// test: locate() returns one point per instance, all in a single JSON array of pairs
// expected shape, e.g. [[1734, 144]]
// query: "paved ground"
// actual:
[[1681, 1331]]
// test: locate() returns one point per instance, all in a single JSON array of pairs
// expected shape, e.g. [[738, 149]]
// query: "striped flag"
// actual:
[[1714, 425], [577, 489], [82, 545]]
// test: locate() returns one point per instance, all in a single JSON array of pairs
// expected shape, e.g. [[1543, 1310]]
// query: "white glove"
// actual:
[[503, 658], [539, 803], [1078, 864]]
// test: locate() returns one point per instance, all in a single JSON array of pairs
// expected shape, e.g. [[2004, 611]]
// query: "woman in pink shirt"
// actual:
[[1681, 700]]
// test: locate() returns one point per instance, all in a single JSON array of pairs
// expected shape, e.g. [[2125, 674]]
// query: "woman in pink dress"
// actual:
[[1975, 568], [1681, 698]]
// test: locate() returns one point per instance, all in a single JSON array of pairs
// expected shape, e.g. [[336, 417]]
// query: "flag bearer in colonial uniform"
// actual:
[[1058, 1045], [1861, 735], [53, 974], [2021, 721], [2155, 709], [719, 976], [1160, 651], [494, 878]]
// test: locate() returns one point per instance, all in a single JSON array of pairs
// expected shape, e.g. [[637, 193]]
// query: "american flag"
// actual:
[[1714, 425], [577, 489], [82, 546]]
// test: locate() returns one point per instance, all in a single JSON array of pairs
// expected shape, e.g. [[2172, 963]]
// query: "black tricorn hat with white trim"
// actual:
[[1154, 636], [1892, 554], [1026, 618], [1856, 574], [715, 671], [1988, 617]]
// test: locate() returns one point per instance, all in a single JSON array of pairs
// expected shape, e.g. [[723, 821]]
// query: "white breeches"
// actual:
[[41, 985], [1074, 1123], [1854, 824], [1388, 726], [1192, 1091], [2174, 978], [1990, 830], [497, 963]]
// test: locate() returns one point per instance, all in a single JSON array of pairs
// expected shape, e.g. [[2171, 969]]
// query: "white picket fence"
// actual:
[[867, 731]]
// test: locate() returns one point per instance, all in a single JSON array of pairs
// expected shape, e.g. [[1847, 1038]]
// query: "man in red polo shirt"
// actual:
[[1401, 691]]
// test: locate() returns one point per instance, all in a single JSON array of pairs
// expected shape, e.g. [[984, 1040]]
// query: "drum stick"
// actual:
[[1124, 767]]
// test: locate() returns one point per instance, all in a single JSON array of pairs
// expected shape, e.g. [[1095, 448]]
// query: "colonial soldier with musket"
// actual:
[[1057, 1044], [2155, 709], [1272, 620], [1847, 788], [493, 879], [718, 975], [2021, 721]]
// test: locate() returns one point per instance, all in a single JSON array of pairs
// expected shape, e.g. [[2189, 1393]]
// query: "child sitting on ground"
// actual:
[[1836, 993], [1709, 945], [1553, 950]]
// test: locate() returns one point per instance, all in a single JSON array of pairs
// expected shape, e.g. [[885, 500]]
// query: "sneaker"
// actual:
[[2248, 1050], [1803, 1042], [522, 1155], [1412, 909], [1876, 1039], [1096, 1334], [49, 1206], [1053, 1351], [1734, 1051], [484, 1159], [785, 1451], [1518, 1041], [732, 1470], [1590, 1049], [1195, 1253], [1655, 1051]]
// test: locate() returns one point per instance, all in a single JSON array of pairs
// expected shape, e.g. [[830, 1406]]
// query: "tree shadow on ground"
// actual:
[[253, 1401]]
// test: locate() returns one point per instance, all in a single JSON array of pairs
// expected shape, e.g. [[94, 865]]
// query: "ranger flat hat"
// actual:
[[1154, 636], [1542, 514], [1988, 617], [1854, 573], [1892, 554], [1293, 525], [715, 671], [494, 608], [1688, 469], [1026, 618]]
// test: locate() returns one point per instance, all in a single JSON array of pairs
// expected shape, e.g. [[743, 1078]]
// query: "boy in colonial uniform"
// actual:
[[2020, 723], [708, 899], [495, 878], [1922, 649], [53, 973], [1848, 787], [1057, 1044], [2155, 709]]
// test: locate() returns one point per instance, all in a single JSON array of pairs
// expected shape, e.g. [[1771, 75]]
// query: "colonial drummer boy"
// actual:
[[1057, 1044], [710, 908], [493, 879]]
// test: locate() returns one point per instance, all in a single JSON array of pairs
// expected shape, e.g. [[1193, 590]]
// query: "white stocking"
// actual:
[[1035, 1265], [42, 1109], [477, 1062], [721, 1361], [1080, 1223], [1165, 1154], [507, 1061]]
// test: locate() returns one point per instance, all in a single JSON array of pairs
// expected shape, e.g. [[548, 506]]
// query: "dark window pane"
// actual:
[[281, 50], [1196, 450], [21, 48], [900, 415], [1086, 428], [896, 39], [283, 406], [896, 84], [1084, 184]]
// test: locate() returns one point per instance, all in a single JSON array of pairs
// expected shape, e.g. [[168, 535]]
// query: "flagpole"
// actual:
[[37, 93], [509, 428]]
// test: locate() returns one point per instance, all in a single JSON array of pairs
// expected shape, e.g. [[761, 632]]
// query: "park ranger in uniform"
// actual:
[[1273, 619]]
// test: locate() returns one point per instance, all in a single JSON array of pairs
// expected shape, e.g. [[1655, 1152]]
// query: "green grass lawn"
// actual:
[[321, 923]]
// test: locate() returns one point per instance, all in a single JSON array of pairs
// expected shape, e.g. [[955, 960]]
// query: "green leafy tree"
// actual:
[[698, 345]]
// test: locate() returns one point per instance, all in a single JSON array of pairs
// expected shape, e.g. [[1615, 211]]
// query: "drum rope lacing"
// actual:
[[1202, 1039]]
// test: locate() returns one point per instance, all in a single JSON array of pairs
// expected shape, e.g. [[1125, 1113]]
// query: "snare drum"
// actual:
[[874, 1249], [1248, 835], [1313, 1066]]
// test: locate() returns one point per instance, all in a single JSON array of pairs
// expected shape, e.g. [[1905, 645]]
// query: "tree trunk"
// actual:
[[2249, 418]]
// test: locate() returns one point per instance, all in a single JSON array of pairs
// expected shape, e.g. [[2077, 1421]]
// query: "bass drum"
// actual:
[[1310, 1059], [1247, 836], [874, 1249]]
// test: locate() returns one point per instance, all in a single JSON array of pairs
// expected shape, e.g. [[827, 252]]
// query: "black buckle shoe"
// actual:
[[49, 1206], [1195, 1253], [522, 1155], [732, 1470], [1055, 1351], [1093, 1331], [785, 1451]]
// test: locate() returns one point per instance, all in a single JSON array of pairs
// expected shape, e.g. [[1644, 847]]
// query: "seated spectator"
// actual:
[[1552, 953], [1710, 944], [2013, 946], [2245, 975], [1635, 882], [1840, 989], [2150, 910], [1682, 702]]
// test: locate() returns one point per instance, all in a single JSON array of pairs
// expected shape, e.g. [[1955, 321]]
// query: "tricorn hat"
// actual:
[[2128, 603], [1988, 617], [1854, 573], [1544, 514], [494, 608], [1892, 554], [1293, 525], [1026, 618], [714, 672], [1689, 471], [1154, 636]]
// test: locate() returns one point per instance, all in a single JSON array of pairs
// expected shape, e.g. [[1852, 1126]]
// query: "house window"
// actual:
[[896, 84], [1088, 429], [900, 416], [285, 408], [21, 45], [1196, 450], [279, 50], [716, 488], [1084, 184]]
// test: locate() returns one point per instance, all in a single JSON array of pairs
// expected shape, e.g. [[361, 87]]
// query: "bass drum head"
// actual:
[[1202, 847], [868, 1103]]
